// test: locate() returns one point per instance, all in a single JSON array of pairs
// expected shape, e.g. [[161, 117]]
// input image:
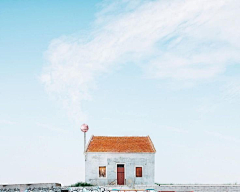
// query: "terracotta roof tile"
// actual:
[[121, 144]]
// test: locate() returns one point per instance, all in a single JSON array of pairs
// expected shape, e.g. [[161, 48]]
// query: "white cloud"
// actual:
[[189, 40]]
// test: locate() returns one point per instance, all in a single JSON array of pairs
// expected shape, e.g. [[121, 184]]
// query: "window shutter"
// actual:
[[138, 171]]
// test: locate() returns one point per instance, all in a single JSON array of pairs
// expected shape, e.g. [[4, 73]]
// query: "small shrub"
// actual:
[[81, 184]]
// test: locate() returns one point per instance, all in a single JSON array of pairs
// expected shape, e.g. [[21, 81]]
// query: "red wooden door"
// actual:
[[120, 175]]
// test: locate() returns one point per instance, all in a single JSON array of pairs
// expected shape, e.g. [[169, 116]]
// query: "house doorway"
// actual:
[[120, 174]]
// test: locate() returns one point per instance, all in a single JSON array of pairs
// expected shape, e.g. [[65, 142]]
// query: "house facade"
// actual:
[[120, 161]]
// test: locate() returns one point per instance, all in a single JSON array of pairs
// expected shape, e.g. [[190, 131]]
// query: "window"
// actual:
[[102, 171], [138, 171]]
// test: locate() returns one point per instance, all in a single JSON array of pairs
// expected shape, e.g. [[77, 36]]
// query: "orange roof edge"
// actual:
[[88, 143], [154, 149]]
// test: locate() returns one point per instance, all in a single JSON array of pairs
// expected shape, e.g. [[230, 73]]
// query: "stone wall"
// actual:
[[22, 187], [162, 188], [195, 188]]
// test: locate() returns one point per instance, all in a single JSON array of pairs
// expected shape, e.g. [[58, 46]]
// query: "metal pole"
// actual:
[[85, 146], [84, 142]]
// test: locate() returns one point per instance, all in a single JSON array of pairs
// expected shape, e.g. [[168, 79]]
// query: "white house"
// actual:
[[120, 161]]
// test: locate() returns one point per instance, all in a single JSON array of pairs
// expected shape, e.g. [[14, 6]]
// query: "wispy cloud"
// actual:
[[231, 91], [228, 94], [175, 40], [52, 128], [177, 130], [223, 137], [7, 122]]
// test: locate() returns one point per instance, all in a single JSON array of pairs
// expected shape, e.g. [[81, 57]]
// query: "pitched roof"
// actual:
[[121, 144]]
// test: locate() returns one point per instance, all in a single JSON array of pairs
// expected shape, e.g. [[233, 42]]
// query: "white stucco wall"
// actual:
[[110, 160]]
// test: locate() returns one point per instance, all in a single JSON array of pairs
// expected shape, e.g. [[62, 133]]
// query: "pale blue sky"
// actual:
[[168, 69]]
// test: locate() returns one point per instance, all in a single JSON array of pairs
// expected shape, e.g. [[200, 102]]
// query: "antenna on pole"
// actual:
[[84, 128]]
